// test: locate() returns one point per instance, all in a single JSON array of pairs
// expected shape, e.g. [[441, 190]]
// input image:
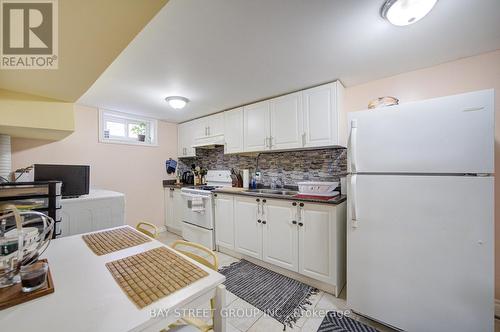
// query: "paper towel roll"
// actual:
[[246, 178]]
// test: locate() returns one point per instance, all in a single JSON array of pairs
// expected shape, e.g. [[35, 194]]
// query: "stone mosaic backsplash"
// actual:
[[291, 166]]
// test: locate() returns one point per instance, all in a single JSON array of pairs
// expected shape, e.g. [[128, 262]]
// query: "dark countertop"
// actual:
[[334, 201], [172, 184]]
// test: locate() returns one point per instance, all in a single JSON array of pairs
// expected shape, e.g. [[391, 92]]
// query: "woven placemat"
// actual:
[[105, 242], [153, 274]]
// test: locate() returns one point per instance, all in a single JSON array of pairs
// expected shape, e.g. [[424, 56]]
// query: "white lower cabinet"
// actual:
[[247, 229], [307, 238], [316, 240], [279, 234], [173, 211], [224, 220]]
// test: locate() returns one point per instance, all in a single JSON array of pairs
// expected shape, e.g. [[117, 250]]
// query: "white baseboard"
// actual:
[[497, 308], [162, 229]]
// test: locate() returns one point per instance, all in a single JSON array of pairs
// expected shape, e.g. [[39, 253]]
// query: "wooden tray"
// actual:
[[13, 295]]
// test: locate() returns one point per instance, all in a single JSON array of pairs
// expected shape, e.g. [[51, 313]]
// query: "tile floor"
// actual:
[[254, 320]]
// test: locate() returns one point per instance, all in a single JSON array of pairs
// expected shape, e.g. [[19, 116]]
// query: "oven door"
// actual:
[[198, 210]]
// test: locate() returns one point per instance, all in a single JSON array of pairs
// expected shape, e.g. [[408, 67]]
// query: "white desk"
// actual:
[[87, 298]]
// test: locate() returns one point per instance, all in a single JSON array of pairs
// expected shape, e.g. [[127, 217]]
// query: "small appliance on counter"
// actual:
[[188, 177]]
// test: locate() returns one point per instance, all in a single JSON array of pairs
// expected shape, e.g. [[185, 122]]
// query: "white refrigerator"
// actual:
[[420, 214]]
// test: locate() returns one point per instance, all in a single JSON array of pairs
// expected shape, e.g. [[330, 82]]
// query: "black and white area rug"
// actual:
[[334, 322], [278, 296]]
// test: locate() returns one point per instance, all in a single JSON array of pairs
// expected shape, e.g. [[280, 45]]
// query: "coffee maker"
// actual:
[[188, 177]]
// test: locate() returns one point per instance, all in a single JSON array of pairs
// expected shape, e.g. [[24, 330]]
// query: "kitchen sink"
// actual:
[[289, 192], [272, 192]]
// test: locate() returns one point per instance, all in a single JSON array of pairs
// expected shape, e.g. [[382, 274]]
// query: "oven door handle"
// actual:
[[191, 196]]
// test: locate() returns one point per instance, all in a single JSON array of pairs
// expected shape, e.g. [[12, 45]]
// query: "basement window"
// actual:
[[124, 128]]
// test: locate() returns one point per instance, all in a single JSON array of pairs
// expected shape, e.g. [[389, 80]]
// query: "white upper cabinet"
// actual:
[[256, 127], [198, 129], [303, 119], [233, 130], [185, 139], [215, 124], [208, 126], [286, 122], [321, 115]]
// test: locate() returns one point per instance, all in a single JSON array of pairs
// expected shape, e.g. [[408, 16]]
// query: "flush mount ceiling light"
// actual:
[[177, 102], [406, 12]]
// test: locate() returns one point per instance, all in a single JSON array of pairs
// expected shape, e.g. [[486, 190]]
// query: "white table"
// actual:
[[87, 298]]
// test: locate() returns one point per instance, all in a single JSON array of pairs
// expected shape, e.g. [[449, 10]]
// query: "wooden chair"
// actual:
[[150, 229], [193, 321]]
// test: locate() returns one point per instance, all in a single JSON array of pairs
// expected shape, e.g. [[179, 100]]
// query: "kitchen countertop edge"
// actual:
[[334, 201]]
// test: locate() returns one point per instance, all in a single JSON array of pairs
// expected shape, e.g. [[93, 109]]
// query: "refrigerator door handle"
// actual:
[[353, 136], [354, 217]]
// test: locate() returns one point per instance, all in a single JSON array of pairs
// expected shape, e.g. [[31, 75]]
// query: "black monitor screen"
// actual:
[[75, 178]]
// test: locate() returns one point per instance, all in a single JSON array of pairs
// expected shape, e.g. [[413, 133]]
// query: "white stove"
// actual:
[[198, 208]]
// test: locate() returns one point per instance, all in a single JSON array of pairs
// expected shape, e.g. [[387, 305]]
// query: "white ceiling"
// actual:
[[225, 53]]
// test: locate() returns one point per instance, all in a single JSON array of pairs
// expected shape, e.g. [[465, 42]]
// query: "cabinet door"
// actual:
[[320, 116], [198, 128], [316, 233], [177, 209], [224, 221], [286, 122], [186, 139], [233, 130], [193, 130], [215, 124], [169, 207], [256, 127], [181, 140], [247, 231], [279, 234]]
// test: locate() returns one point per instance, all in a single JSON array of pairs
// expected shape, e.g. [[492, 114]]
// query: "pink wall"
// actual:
[[468, 74], [136, 171]]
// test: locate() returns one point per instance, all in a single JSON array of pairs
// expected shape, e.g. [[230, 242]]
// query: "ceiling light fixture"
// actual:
[[177, 102], [406, 12]]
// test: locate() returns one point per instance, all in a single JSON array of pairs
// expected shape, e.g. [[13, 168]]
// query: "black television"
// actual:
[[75, 178]]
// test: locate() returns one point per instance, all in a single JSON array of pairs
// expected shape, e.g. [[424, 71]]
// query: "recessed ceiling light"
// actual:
[[406, 12], [177, 102]]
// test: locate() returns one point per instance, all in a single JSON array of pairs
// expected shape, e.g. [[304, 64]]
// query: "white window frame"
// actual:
[[126, 118]]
